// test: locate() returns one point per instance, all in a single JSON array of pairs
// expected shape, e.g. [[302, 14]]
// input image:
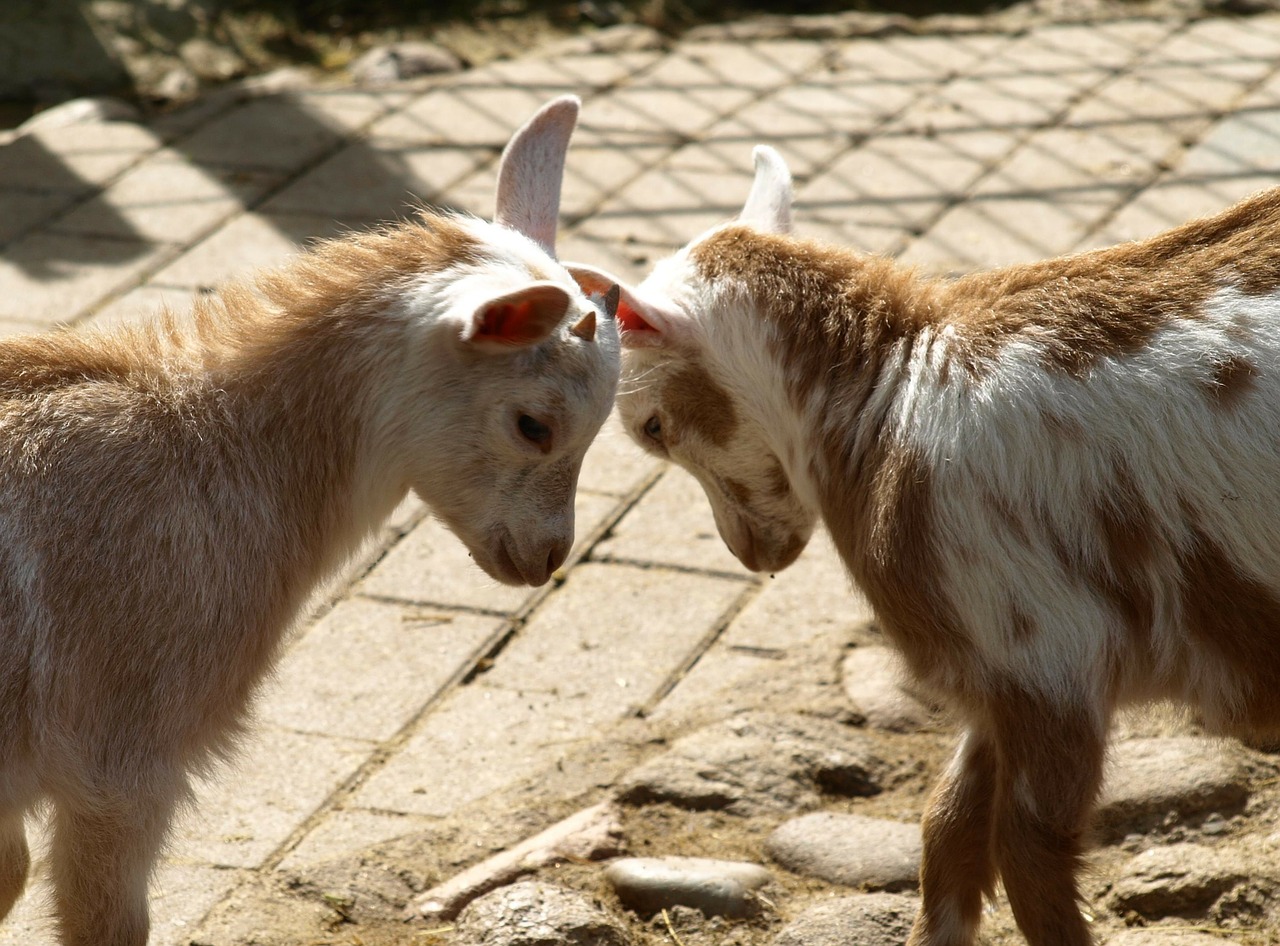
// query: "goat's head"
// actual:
[[524, 369], [676, 402]]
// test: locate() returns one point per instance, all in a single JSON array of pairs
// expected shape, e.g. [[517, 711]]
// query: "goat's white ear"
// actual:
[[517, 319], [641, 323], [768, 206], [531, 171]]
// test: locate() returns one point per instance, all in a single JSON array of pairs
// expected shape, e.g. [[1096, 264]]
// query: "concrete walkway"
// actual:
[[950, 151]]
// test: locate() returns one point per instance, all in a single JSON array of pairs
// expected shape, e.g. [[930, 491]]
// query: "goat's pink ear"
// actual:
[[517, 319], [768, 206], [531, 171], [640, 323]]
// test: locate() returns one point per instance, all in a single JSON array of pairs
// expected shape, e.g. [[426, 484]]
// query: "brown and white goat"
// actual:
[[1057, 484], [171, 494]]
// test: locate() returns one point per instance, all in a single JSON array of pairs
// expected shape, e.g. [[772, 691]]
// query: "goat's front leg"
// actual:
[[957, 867], [1049, 772], [14, 860], [101, 861]]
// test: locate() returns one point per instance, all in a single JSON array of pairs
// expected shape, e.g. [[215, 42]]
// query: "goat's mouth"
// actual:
[[496, 562], [763, 550]]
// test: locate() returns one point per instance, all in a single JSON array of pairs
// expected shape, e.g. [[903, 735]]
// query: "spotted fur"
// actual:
[[1056, 484], [171, 494]]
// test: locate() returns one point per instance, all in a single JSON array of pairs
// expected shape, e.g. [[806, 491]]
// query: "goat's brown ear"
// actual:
[[531, 171], [517, 319], [768, 206]]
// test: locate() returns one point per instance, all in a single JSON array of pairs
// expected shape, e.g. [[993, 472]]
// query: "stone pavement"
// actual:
[[419, 688]]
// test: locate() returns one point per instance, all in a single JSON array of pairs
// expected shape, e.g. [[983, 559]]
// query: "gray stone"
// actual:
[[871, 676], [1188, 776], [760, 762], [404, 60], [849, 849], [212, 61], [717, 888], [1179, 879], [538, 914], [872, 919]]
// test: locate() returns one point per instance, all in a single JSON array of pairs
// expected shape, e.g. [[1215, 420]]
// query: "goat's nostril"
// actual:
[[555, 558]]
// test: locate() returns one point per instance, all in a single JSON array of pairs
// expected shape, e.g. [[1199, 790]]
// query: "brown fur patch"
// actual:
[[694, 402], [1129, 546], [1110, 303], [1232, 380], [1021, 627], [1237, 617], [739, 492], [779, 483]]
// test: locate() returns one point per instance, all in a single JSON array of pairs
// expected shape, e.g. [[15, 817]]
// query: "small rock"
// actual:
[[760, 762], [1179, 879], [1186, 775], [211, 61], [717, 888], [283, 79], [177, 85], [404, 60], [849, 849], [870, 919], [871, 676], [76, 111], [537, 914]]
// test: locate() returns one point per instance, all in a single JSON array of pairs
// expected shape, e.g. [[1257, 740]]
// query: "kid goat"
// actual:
[[1057, 484], [170, 495]]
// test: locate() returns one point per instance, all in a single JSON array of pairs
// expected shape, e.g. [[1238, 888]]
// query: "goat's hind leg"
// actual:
[[15, 860], [957, 867], [101, 862], [1050, 770]]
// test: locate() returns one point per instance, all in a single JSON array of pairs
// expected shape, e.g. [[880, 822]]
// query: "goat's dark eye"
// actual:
[[653, 428], [534, 431]]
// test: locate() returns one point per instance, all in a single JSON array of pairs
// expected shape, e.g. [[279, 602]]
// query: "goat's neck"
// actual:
[[839, 329], [306, 402]]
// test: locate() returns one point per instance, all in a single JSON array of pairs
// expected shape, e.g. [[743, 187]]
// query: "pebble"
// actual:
[[1186, 775], [871, 678], [537, 914], [403, 60], [869, 919], [760, 762], [1177, 879], [849, 849], [717, 888]]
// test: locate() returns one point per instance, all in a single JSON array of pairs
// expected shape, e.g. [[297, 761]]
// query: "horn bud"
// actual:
[[585, 328], [611, 299]]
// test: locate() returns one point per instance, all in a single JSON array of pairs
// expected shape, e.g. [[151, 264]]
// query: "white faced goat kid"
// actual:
[[170, 495], [1057, 484]]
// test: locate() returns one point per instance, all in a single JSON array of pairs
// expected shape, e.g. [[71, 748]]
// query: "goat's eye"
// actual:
[[653, 428], [534, 431]]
